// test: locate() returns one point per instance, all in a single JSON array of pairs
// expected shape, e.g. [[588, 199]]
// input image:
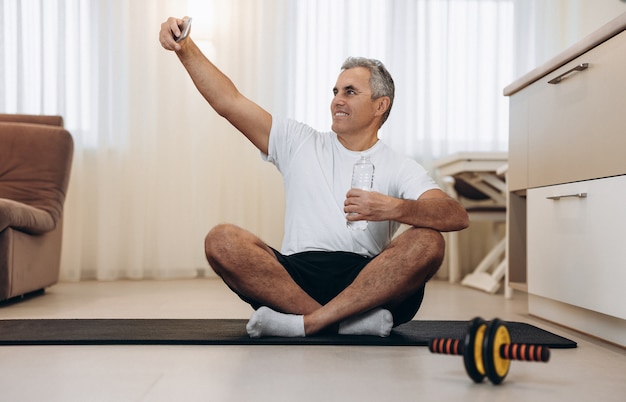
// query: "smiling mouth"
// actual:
[[341, 114]]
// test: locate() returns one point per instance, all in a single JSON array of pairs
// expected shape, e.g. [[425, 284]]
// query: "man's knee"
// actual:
[[219, 240], [437, 245], [428, 247], [228, 246], [423, 237]]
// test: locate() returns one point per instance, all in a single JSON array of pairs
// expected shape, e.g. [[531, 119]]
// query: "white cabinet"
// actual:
[[567, 138], [576, 246]]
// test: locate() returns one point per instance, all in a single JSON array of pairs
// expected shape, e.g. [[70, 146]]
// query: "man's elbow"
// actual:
[[461, 220]]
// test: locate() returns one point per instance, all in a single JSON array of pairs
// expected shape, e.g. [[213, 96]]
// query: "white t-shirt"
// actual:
[[317, 173]]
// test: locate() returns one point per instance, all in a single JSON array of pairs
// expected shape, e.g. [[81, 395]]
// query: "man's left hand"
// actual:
[[367, 205]]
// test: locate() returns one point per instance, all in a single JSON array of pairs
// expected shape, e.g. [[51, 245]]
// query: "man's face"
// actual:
[[352, 107]]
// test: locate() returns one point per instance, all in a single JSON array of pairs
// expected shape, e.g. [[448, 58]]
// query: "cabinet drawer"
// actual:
[[576, 249], [577, 128]]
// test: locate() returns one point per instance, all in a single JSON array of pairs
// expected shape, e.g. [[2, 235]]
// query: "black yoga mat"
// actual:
[[233, 332]]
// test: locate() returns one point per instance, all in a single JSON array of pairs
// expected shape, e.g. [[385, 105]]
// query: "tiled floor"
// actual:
[[595, 371]]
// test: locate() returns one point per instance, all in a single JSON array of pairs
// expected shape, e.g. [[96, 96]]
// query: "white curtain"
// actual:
[[449, 59], [154, 168]]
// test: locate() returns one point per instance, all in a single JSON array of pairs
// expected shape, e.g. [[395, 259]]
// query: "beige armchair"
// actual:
[[35, 161]]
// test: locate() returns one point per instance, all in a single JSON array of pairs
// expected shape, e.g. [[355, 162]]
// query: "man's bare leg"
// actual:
[[397, 273], [250, 268], [268, 282]]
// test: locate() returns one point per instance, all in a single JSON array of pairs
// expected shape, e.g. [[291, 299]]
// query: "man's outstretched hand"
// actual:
[[170, 29]]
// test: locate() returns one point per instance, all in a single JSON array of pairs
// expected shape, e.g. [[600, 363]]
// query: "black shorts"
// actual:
[[323, 275]]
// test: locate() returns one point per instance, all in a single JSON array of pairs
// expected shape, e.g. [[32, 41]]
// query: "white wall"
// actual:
[[595, 13], [547, 27]]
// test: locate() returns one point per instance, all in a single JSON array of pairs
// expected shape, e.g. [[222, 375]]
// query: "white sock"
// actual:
[[374, 322], [267, 322]]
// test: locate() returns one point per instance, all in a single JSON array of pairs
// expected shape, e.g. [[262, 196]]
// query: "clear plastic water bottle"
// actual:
[[362, 178]]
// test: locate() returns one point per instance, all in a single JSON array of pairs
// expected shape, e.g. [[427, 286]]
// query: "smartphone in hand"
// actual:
[[184, 29]]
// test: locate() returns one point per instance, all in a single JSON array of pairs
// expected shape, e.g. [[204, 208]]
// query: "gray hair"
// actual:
[[381, 82]]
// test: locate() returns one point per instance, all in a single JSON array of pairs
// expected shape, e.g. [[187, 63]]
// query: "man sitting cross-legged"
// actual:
[[327, 277]]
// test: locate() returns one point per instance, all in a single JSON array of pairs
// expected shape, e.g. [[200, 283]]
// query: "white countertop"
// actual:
[[607, 31]]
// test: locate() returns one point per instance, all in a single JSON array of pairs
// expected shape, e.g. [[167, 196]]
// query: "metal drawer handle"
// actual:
[[580, 67], [558, 197]]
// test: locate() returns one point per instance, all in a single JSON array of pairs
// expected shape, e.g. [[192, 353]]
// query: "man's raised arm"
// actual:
[[248, 117]]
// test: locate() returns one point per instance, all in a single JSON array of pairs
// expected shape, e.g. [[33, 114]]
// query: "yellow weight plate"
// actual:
[[502, 337], [478, 348]]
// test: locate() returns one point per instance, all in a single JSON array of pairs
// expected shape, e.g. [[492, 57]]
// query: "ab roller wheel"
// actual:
[[487, 350]]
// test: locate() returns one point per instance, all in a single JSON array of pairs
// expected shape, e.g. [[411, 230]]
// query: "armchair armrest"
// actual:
[[24, 217]]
